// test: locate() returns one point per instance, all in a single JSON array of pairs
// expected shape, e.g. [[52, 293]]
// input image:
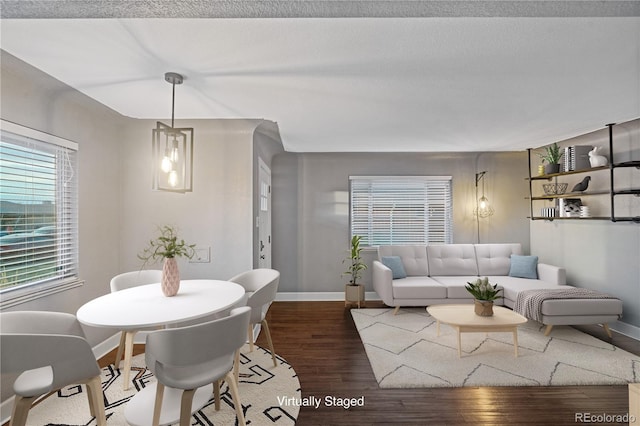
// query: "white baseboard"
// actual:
[[626, 329], [320, 296]]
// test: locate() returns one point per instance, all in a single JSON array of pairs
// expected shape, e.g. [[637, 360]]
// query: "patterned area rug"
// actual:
[[261, 384], [405, 352]]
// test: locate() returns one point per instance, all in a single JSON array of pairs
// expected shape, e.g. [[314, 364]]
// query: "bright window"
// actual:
[[401, 209], [38, 212]]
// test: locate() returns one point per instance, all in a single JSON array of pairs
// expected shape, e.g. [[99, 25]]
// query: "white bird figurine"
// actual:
[[582, 186]]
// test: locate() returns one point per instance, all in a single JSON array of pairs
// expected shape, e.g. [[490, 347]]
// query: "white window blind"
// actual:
[[38, 210], [401, 209]]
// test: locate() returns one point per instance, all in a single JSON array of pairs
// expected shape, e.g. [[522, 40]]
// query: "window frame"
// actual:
[[370, 234], [26, 292]]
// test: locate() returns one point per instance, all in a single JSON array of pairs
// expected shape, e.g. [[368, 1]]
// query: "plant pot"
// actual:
[[354, 294], [170, 277], [551, 168], [484, 308]]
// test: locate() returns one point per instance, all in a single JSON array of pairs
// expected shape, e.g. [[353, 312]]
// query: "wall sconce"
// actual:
[[483, 208], [172, 150]]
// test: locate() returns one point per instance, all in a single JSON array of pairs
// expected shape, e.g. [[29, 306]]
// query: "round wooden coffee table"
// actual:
[[464, 320]]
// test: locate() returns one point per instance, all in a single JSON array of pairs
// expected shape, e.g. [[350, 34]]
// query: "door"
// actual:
[[264, 216]]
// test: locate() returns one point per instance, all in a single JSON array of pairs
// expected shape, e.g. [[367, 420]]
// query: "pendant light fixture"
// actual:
[[483, 208], [172, 150]]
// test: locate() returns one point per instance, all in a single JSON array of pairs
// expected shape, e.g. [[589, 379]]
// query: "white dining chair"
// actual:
[[122, 282], [49, 351], [261, 287], [188, 358]]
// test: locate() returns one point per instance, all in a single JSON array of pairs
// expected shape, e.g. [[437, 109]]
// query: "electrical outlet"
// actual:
[[203, 255]]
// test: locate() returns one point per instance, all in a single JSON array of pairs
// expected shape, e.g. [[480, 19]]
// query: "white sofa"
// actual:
[[437, 274]]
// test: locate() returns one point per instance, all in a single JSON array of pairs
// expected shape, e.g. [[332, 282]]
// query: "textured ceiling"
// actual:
[[390, 76]]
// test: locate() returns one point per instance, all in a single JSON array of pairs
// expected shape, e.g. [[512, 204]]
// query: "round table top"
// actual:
[[464, 315], [146, 306]]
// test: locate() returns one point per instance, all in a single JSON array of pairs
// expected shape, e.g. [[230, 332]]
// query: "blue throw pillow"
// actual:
[[395, 264], [524, 266]]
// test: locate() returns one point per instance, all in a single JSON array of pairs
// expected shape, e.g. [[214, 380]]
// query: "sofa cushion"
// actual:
[[395, 264], [524, 267], [452, 259], [495, 259], [414, 258], [456, 285], [418, 288]]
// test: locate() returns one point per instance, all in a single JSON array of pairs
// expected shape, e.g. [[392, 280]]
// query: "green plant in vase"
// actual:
[[551, 155], [354, 289], [168, 247], [484, 295]]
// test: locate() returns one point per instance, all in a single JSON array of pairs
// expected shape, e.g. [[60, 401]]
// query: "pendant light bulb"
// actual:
[[173, 178]]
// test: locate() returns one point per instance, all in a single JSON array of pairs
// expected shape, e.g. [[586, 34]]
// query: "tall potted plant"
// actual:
[[551, 155], [354, 290], [167, 247]]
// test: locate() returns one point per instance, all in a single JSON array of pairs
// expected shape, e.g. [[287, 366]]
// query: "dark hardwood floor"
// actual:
[[320, 341]]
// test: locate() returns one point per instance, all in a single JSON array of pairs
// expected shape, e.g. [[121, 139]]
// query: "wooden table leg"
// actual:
[[515, 340], [128, 353], [459, 343], [438, 328]]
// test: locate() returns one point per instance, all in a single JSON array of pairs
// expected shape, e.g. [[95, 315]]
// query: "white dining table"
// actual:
[[146, 306]]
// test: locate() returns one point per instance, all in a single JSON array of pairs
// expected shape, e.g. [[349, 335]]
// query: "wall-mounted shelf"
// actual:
[[611, 192]]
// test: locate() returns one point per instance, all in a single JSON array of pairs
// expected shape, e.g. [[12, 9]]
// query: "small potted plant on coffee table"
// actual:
[[484, 295], [354, 290]]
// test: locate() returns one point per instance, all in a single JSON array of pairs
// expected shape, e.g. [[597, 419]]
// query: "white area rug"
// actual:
[[405, 352], [260, 386]]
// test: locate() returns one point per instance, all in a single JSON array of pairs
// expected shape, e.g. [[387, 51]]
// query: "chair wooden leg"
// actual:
[[395, 311], [547, 330], [120, 349], [236, 398], [216, 394], [157, 406], [186, 402], [96, 400], [607, 329], [250, 337], [269, 341], [20, 411], [236, 366], [128, 354]]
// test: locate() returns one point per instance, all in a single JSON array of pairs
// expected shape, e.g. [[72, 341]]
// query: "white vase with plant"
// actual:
[[168, 248]]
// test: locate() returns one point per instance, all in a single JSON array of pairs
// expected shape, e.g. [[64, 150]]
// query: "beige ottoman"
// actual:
[[580, 311]]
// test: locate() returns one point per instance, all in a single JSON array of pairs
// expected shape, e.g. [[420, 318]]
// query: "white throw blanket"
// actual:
[[529, 302]]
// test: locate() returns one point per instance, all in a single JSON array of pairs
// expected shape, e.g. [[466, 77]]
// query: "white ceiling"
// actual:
[[394, 83]]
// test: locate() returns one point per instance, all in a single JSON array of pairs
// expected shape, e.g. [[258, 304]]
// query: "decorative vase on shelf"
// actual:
[[551, 168], [170, 277], [484, 308]]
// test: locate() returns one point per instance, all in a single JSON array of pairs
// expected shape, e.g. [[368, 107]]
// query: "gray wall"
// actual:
[[601, 255], [311, 207], [33, 99], [218, 214]]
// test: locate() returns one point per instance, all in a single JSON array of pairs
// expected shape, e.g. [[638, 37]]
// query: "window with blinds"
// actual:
[[401, 209], [38, 210]]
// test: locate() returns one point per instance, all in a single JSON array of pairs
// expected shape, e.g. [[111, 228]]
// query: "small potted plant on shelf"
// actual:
[[354, 290], [484, 294], [167, 247], [551, 155]]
